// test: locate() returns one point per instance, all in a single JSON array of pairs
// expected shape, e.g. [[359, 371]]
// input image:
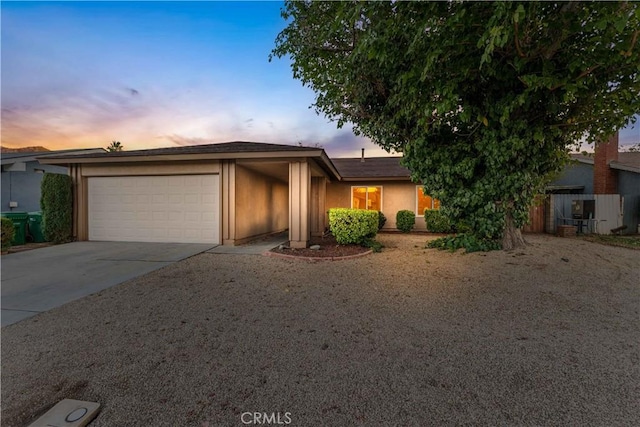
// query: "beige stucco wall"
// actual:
[[396, 196], [318, 221], [261, 204]]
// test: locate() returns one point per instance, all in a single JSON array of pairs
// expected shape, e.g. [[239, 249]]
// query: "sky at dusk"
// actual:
[[157, 74]]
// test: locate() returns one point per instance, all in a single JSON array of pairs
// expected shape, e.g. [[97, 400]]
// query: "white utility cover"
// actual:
[[172, 208]]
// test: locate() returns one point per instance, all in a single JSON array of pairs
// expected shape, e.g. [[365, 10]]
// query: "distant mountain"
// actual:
[[23, 149]]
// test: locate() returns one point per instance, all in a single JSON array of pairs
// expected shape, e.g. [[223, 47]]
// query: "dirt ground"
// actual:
[[549, 335]]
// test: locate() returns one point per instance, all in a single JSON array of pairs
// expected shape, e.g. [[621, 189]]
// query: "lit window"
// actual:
[[369, 198], [425, 202]]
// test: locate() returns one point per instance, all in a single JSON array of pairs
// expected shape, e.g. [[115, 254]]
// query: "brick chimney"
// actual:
[[605, 179]]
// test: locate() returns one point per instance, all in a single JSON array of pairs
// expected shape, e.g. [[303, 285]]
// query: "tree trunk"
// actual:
[[511, 237]]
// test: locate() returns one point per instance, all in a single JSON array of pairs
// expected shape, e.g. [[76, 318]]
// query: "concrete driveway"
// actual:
[[41, 279]]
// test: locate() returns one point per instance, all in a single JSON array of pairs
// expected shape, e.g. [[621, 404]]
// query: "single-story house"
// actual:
[[229, 193], [22, 174]]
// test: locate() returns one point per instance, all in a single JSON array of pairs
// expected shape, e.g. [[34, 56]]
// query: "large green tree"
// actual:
[[483, 99]]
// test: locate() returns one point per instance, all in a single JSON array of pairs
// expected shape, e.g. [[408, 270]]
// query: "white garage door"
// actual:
[[177, 208]]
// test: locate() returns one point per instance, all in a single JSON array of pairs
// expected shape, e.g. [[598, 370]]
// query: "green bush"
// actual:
[[56, 202], [463, 227], [382, 220], [469, 242], [372, 244], [405, 220], [436, 222], [8, 232], [351, 226]]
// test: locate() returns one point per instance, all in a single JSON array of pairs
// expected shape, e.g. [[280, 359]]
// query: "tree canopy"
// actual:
[[115, 146], [483, 99]]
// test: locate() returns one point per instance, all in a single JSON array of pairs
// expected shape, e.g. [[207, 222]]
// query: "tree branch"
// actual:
[[633, 43], [520, 53], [523, 82], [582, 74]]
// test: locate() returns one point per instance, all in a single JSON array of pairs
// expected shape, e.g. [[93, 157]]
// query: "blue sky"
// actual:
[[156, 74]]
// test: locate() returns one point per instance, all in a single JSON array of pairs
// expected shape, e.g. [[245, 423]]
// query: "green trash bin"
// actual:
[[20, 220], [35, 227]]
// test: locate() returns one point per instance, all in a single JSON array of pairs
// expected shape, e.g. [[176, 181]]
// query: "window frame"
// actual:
[[421, 214], [367, 195]]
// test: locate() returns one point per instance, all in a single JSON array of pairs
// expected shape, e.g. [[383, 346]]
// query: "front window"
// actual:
[[424, 201], [369, 198]]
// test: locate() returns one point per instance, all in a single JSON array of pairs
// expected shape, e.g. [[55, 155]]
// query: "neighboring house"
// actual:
[[22, 174], [228, 193], [607, 171]]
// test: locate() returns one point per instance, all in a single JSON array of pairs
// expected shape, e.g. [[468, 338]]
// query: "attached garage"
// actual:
[[172, 208], [227, 193]]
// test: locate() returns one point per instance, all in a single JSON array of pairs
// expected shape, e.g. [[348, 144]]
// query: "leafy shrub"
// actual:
[[57, 207], [353, 225], [469, 242], [436, 221], [8, 232], [372, 244], [382, 220], [405, 220], [462, 226]]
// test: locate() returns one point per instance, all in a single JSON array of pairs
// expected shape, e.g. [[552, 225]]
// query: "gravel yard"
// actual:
[[545, 336]]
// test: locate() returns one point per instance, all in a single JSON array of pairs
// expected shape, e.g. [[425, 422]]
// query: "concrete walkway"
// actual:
[[41, 279], [255, 247]]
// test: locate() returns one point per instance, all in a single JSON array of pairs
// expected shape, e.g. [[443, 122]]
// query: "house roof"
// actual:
[[219, 151], [354, 169], [582, 158], [348, 169], [220, 148], [32, 156], [627, 161]]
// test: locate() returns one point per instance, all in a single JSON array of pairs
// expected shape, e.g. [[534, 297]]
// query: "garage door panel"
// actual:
[[181, 208]]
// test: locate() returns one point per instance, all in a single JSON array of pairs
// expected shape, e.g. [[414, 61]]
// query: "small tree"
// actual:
[[115, 146]]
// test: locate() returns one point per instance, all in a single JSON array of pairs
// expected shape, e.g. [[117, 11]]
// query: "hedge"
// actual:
[[56, 202], [405, 220], [353, 226]]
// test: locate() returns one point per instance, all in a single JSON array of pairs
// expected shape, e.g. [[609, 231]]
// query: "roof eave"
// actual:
[[583, 160], [330, 168], [623, 167], [376, 178], [181, 157]]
